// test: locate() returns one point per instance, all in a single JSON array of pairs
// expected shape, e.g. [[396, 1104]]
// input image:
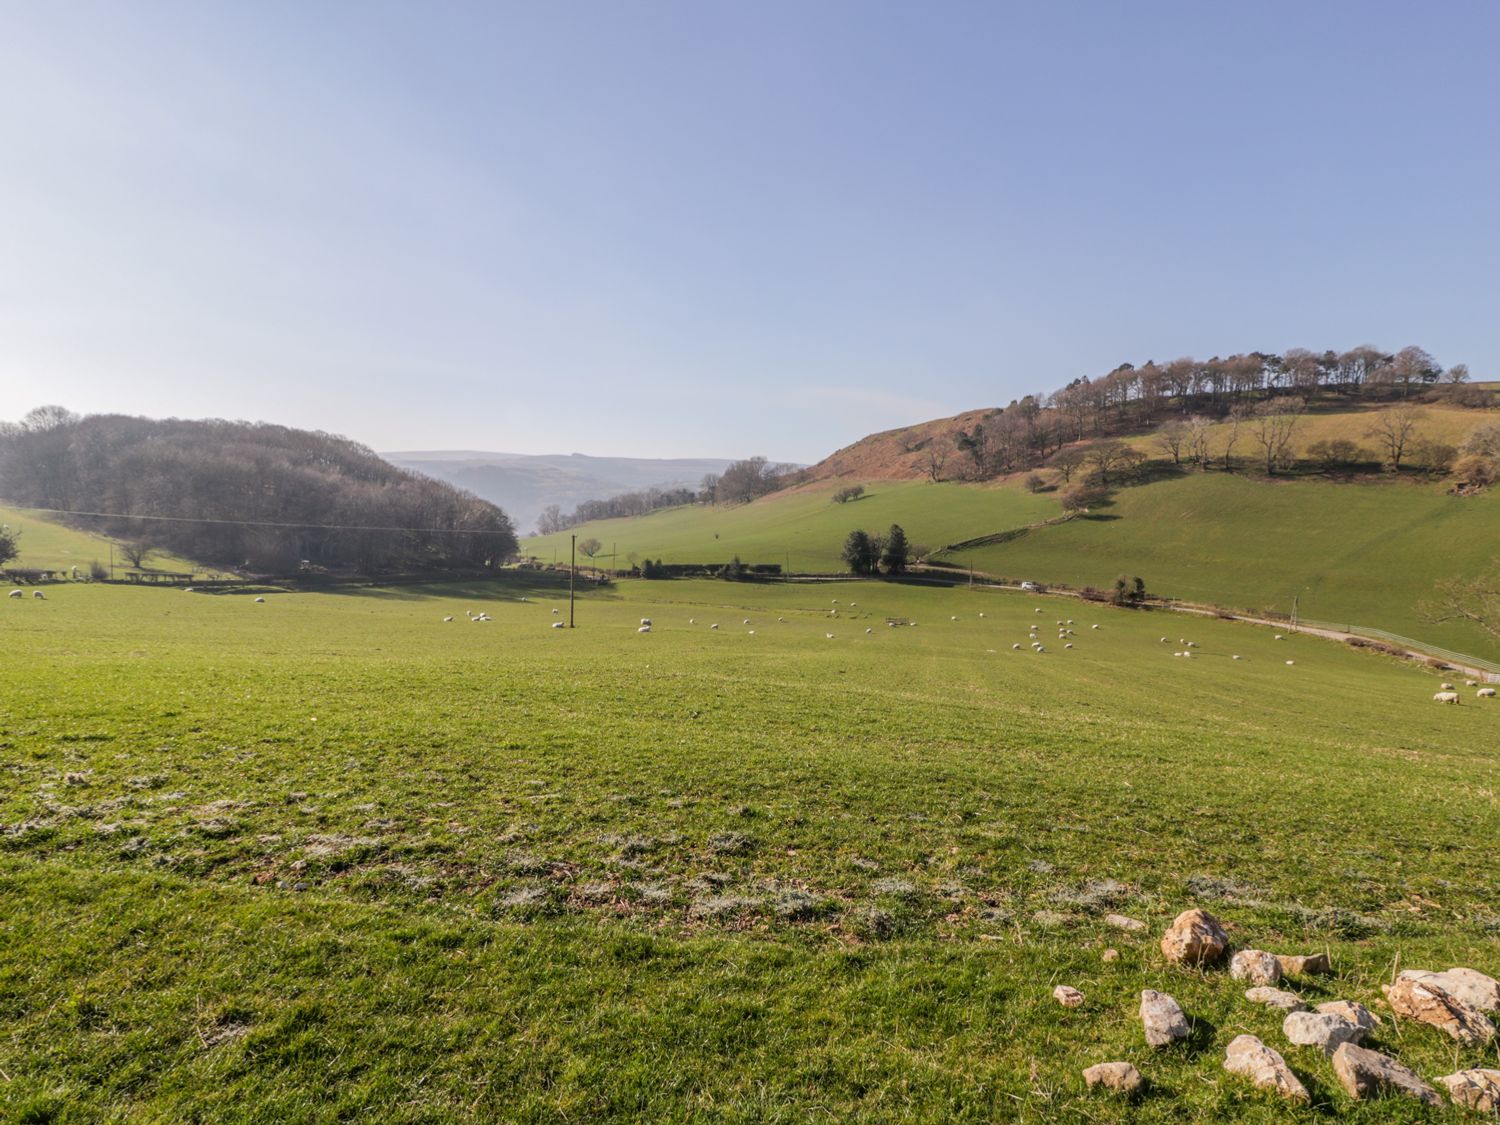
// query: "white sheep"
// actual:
[[1016, 647], [1040, 650], [645, 621], [752, 632], [258, 601], [869, 631], [1165, 641], [1471, 683], [642, 629], [1070, 621], [1485, 693], [39, 595], [17, 594], [1067, 646], [1445, 697], [1279, 637], [557, 613], [692, 621], [447, 619], [557, 624], [715, 625], [1289, 663], [747, 621], [1039, 611], [1235, 658], [782, 620], [952, 619], [829, 636], [1446, 687], [1093, 626], [853, 605], [981, 615]]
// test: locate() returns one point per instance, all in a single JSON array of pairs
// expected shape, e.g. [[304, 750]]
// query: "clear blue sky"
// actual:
[[707, 228]]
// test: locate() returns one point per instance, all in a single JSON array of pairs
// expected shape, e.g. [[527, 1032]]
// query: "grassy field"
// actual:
[[329, 857], [1360, 554], [806, 526], [46, 545]]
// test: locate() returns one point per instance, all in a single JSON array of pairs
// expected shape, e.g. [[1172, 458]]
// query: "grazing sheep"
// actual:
[[259, 600], [853, 605], [1093, 626], [17, 594], [1040, 650], [1290, 663], [952, 619], [1471, 683], [1070, 621], [447, 619], [869, 630], [1016, 647], [1165, 641], [829, 636], [692, 621], [1485, 693], [782, 620], [647, 621], [1446, 687], [1192, 644], [1039, 611], [746, 621], [715, 625], [981, 615], [1234, 658], [1279, 637], [642, 629], [1445, 697], [752, 632], [39, 595], [557, 624], [1067, 646], [557, 613]]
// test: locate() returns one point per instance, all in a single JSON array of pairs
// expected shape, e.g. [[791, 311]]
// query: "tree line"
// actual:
[[1233, 389], [246, 495], [739, 483]]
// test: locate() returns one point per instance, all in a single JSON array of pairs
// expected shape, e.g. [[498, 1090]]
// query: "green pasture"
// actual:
[[1352, 554], [805, 527], [47, 545], [329, 857]]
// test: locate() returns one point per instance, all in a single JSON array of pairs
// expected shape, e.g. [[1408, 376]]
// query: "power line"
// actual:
[[260, 523]]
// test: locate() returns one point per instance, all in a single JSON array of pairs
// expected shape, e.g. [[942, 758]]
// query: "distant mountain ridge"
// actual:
[[523, 484]]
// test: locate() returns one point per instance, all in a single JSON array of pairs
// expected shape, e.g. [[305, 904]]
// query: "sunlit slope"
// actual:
[[1360, 554], [46, 545], [806, 528]]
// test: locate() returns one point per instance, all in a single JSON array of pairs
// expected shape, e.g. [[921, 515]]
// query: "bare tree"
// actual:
[[935, 460], [1105, 457], [1171, 437], [1272, 426], [1237, 416], [589, 547], [1199, 435], [1066, 462], [1476, 600], [1394, 430], [136, 553]]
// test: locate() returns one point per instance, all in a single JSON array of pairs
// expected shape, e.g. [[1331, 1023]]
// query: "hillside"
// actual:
[[245, 495], [803, 527], [49, 545], [525, 484], [1365, 552]]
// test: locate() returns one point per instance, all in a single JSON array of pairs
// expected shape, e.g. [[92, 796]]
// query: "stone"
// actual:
[[1067, 996], [1117, 1077], [1123, 922], [1474, 1089], [1296, 966], [1369, 1074], [1264, 1067], [1322, 1030], [1275, 998], [1163, 1018], [1428, 1002], [1471, 986], [1111, 954], [1194, 938], [1256, 966], [1355, 1013]]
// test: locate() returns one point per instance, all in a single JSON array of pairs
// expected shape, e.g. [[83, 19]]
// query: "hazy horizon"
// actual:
[[682, 231]]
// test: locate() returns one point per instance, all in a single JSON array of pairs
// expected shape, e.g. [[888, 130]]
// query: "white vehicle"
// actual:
[[1032, 587]]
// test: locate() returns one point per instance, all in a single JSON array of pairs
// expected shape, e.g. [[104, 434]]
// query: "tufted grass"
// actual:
[[328, 857]]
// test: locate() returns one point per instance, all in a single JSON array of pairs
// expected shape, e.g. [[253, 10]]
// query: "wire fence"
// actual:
[[1450, 656]]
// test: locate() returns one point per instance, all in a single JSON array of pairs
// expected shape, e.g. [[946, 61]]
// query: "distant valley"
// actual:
[[524, 484]]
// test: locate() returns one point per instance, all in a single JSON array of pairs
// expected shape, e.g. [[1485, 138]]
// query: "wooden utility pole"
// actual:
[[572, 571]]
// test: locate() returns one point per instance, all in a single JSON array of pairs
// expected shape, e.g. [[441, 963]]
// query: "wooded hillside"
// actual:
[[239, 494]]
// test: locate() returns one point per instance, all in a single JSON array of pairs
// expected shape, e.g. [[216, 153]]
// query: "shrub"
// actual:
[[1477, 470], [97, 571], [844, 495], [1082, 497], [1128, 591], [1035, 483]]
